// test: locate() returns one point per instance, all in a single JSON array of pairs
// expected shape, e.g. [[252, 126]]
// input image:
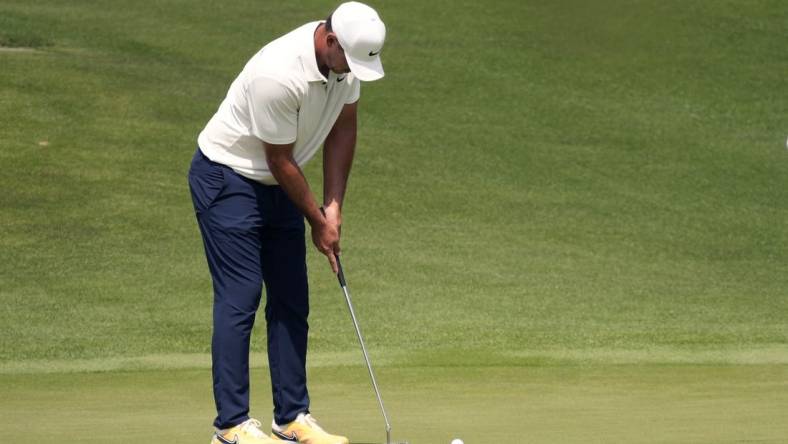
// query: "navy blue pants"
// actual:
[[254, 237]]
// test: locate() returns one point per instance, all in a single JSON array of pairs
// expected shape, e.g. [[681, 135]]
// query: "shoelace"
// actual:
[[252, 427]]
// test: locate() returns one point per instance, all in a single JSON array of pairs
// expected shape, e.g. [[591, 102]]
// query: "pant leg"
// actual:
[[283, 256], [229, 219]]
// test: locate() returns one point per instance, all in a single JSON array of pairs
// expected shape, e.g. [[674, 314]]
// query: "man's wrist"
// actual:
[[332, 206], [316, 220], [316, 223]]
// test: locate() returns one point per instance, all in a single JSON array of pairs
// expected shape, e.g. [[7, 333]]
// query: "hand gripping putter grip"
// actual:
[[343, 284]]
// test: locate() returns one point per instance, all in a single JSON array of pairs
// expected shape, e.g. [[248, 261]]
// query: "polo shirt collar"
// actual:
[[308, 60]]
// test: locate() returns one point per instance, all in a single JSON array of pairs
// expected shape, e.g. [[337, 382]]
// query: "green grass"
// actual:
[[570, 404], [538, 186]]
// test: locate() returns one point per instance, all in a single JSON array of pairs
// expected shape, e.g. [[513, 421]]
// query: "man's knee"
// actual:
[[236, 304]]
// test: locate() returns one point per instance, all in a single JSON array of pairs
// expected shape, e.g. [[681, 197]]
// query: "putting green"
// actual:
[[428, 405], [595, 188]]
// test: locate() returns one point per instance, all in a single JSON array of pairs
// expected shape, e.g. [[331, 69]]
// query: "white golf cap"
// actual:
[[361, 34]]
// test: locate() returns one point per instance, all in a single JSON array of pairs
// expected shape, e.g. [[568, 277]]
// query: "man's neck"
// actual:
[[320, 41]]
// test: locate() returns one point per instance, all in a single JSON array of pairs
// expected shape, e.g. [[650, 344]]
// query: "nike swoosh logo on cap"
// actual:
[[292, 438], [373, 54], [225, 441]]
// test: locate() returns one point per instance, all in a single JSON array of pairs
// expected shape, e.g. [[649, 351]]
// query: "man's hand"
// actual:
[[325, 236], [333, 216]]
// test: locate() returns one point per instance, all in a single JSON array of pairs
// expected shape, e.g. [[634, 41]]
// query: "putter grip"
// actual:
[[340, 273]]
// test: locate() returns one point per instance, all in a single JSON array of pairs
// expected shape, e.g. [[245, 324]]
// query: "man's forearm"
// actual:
[[337, 161], [290, 177], [340, 147]]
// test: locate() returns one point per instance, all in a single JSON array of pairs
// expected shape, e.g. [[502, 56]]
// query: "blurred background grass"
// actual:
[[530, 177]]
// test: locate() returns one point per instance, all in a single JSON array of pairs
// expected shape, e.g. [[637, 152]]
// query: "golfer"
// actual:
[[250, 196]]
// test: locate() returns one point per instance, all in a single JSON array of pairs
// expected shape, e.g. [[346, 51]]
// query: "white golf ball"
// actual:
[[456, 441]]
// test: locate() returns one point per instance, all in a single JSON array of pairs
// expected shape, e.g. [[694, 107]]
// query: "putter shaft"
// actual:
[[343, 284]]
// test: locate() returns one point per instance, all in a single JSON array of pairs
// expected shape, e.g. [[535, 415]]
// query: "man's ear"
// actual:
[[331, 39]]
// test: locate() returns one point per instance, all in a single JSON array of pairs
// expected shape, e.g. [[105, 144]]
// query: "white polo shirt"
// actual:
[[280, 97]]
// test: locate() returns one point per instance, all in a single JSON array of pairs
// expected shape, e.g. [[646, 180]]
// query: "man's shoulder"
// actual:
[[276, 63], [281, 58]]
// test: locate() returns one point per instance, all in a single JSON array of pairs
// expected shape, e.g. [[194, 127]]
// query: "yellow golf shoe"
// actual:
[[305, 430], [248, 432]]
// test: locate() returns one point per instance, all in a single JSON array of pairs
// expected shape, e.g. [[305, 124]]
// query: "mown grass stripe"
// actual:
[[772, 355]]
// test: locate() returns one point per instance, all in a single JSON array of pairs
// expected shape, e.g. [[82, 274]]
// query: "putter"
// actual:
[[343, 284]]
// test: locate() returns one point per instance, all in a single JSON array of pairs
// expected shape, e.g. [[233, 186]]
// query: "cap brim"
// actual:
[[365, 70]]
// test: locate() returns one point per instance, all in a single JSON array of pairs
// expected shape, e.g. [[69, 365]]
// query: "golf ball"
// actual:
[[456, 441]]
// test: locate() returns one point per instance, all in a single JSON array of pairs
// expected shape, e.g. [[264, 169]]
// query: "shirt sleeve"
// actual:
[[355, 92], [273, 111]]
